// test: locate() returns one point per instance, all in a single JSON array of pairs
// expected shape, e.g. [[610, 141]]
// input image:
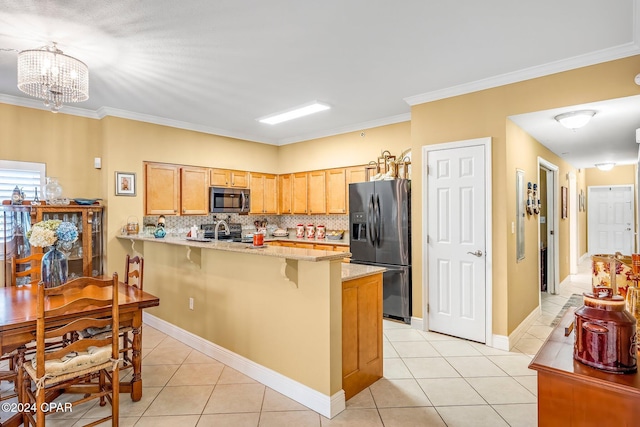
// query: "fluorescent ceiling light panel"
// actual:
[[294, 113]]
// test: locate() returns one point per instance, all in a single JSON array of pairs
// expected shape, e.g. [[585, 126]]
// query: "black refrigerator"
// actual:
[[380, 235]]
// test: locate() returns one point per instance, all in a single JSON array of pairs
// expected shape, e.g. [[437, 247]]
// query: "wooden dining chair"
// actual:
[[133, 275], [70, 369], [26, 267]]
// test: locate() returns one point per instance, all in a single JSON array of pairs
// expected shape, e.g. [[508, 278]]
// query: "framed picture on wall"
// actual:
[[125, 184], [564, 201]]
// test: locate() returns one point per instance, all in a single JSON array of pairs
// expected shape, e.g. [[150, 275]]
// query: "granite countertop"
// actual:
[[352, 271], [292, 238], [300, 254]]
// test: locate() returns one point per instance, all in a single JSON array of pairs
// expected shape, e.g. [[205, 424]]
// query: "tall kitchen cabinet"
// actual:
[[175, 189], [86, 257]]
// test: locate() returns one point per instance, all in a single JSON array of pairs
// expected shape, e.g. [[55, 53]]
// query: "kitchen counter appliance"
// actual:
[[229, 200], [380, 235]]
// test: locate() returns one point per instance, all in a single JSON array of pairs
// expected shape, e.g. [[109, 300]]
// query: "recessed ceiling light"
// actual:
[[294, 113], [575, 119], [605, 166]]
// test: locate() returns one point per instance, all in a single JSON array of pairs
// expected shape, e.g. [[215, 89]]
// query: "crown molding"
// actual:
[[163, 121], [622, 51], [38, 105], [405, 117]]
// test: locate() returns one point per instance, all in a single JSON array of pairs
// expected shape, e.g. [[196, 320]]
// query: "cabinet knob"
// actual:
[[175, 211]]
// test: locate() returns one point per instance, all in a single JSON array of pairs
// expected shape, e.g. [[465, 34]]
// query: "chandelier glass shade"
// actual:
[[49, 74]]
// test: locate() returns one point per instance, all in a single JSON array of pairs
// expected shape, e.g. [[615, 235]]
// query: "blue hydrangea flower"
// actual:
[[67, 232]]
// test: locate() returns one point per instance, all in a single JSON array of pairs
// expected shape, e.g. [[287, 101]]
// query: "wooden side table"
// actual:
[[573, 394]]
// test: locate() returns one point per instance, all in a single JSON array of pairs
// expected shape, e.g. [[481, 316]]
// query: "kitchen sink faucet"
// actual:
[[226, 229]]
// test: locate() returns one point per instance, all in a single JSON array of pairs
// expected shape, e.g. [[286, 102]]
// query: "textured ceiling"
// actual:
[[216, 66]]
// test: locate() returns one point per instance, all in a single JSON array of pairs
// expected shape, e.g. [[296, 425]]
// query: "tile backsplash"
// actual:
[[181, 224]]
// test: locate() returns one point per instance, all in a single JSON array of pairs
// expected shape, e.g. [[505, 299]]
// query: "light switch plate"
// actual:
[[97, 162]]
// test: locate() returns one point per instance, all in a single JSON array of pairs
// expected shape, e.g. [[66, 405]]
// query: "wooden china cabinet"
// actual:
[[86, 256]]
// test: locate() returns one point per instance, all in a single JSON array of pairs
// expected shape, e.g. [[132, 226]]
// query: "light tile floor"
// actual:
[[430, 380]]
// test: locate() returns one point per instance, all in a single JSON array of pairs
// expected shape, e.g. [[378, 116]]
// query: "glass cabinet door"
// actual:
[[15, 222], [86, 255]]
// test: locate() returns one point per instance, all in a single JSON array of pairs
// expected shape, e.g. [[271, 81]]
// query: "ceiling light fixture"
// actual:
[[49, 74], [575, 119], [605, 166], [294, 113]]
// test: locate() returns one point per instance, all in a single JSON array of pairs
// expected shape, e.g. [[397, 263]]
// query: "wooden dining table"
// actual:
[[18, 323]]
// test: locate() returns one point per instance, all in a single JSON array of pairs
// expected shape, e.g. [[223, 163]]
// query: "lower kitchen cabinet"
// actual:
[[361, 333]]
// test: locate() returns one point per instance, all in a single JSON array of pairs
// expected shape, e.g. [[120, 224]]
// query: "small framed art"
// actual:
[[125, 184]]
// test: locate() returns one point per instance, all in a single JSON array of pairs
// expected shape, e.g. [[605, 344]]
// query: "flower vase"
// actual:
[[54, 268]]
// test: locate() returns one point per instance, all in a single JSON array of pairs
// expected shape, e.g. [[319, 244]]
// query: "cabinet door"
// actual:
[[162, 189], [352, 175], [194, 190], [317, 192], [239, 179], [85, 258], [270, 203], [299, 193], [256, 186], [285, 193], [336, 191], [219, 177]]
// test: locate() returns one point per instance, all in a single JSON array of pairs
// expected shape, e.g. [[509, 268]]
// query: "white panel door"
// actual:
[[456, 242], [610, 219]]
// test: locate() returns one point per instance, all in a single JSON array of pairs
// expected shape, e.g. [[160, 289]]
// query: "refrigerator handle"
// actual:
[[370, 222], [378, 221]]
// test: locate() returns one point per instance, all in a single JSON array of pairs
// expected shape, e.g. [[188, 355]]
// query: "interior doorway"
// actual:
[[547, 223]]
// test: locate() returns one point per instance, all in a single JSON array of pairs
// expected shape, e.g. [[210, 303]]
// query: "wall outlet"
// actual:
[[190, 303]]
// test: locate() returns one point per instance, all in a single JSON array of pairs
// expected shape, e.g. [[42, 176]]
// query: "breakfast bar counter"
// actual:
[[274, 313]]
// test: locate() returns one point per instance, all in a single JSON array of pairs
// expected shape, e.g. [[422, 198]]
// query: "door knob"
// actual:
[[477, 253]]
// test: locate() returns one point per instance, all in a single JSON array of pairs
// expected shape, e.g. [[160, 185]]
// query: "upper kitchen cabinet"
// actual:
[[176, 190], [352, 175], [194, 191], [316, 193], [162, 189], [264, 193], [299, 193], [336, 191], [229, 178], [285, 193]]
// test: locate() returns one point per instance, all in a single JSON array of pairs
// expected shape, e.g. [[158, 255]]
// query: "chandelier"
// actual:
[[49, 74]]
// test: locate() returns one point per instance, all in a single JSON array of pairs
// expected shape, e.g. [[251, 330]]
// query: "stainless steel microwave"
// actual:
[[229, 200]]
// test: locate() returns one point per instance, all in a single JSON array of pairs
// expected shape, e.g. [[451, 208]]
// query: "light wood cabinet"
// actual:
[[316, 193], [299, 193], [176, 190], [285, 193], [361, 333], [162, 189], [352, 175], [336, 191], [194, 191], [229, 178], [86, 255], [264, 193]]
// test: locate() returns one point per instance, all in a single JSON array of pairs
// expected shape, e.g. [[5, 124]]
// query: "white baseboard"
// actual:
[[501, 342], [328, 406], [417, 323], [520, 330]]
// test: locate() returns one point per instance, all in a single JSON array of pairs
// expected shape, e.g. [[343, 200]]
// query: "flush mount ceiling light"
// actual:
[[49, 74], [575, 119], [294, 113], [605, 166]]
